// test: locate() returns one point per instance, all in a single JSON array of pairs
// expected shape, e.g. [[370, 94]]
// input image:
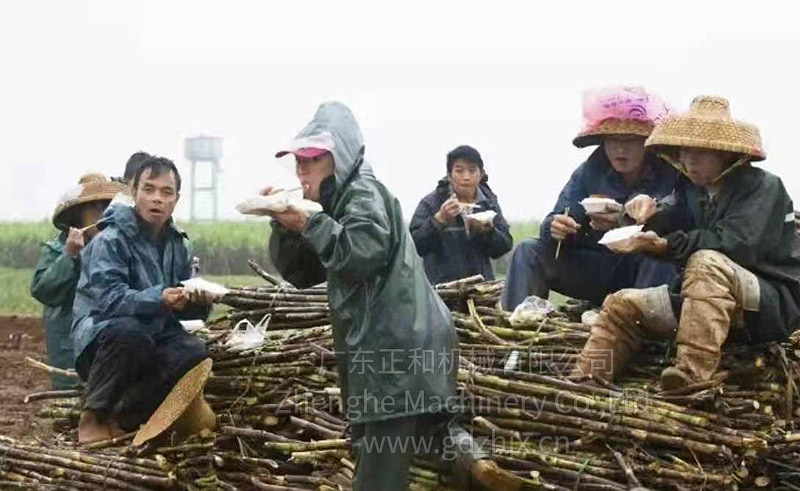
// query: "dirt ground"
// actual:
[[21, 337]]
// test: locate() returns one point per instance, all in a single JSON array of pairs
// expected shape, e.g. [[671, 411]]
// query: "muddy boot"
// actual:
[[617, 330], [473, 467], [91, 430], [673, 378], [714, 289]]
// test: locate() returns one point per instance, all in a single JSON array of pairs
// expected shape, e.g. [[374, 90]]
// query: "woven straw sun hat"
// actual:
[[91, 187], [184, 411], [708, 124], [617, 111]]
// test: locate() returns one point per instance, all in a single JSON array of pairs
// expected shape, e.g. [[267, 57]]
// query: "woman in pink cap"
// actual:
[[617, 120]]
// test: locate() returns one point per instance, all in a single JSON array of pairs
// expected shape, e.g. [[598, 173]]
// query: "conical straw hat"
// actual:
[[91, 187], [184, 397], [707, 124]]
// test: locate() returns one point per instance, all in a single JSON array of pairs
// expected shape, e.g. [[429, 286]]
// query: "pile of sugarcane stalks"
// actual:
[[281, 424]]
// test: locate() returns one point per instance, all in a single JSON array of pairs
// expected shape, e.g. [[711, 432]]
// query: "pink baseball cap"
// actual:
[[309, 147]]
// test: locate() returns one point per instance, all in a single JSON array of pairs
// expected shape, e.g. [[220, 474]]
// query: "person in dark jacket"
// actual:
[[452, 244], [618, 120], [731, 227], [129, 345], [131, 166], [56, 275], [386, 317]]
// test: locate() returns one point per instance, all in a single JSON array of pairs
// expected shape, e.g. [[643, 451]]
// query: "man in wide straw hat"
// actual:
[[129, 345], [57, 272], [731, 227], [617, 120]]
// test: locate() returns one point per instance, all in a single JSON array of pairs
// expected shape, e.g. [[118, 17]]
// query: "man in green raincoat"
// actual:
[[58, 270], [396, 348]]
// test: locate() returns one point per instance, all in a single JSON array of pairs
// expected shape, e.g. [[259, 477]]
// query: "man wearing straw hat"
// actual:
[[731, 227], [617, 120], [129, 346], [385, 314], [57, 272]]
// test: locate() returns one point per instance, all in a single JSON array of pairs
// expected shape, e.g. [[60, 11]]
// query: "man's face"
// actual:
[[312, 172], [702, 166], [156, 197], [465, 177], [91, 213], [625, 152]]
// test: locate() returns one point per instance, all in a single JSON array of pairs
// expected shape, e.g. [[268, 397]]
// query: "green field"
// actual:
[[223, 247]]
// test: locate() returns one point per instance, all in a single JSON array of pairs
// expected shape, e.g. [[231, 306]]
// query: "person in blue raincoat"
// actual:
[[129, 345], [56, 275], [453, 245], [396, 347], [618, 120]]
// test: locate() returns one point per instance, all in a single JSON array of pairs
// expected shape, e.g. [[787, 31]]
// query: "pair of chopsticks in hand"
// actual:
[[558, 249]]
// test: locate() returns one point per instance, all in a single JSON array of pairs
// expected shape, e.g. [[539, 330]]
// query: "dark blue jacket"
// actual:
[[751, 220], [123, 274], [597, 176], [448, 253]]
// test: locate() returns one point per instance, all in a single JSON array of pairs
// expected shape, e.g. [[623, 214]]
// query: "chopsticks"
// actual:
[[84, 229], [558, 249]]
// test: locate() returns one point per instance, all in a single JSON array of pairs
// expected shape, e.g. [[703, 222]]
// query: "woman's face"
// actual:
[[311, 172], [465, 176], [625, 152], [703, 166]]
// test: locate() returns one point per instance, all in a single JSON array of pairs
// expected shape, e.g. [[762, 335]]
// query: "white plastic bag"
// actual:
[[532, 309], [251, 337]]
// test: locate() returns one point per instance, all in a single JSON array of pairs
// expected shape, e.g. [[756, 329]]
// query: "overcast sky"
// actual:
[[85, 84]]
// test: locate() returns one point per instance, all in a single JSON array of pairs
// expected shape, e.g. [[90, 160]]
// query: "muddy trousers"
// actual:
[[128, 373], [384, 450], [715, 293]]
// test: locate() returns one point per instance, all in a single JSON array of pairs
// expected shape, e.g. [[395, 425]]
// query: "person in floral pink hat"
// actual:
[[617, 120]]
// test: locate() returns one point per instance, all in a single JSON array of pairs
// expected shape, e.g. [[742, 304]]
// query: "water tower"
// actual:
[[205, 153]]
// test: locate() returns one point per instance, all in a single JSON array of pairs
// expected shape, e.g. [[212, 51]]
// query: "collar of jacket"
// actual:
[[124, 217]]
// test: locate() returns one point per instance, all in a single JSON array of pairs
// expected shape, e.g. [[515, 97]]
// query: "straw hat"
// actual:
[[708, 124], [184, 411], [618, 111], [91, 187]]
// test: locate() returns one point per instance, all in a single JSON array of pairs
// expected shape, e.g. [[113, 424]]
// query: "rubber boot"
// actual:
[[617, 331], [714, 288], [473, 467]]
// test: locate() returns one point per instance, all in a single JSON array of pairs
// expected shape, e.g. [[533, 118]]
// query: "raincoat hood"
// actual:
[[335, 120]]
